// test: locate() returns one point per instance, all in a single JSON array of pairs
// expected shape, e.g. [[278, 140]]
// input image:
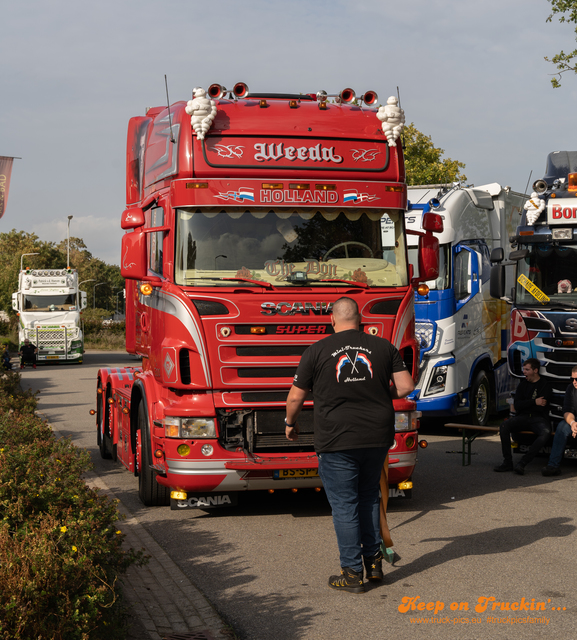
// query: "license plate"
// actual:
[[281, 474], [51, 357]]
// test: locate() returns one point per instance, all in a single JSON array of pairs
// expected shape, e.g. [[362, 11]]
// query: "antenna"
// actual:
[[528, 181], [168, 104], [403, 133]]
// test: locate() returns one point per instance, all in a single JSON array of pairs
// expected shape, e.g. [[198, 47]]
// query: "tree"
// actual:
[[566, 10], [424, 163]]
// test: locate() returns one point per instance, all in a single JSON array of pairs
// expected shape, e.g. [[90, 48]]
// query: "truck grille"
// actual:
[[51, 338], [269, 430]]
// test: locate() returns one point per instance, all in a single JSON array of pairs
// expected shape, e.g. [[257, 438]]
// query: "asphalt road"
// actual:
[[467, 535]]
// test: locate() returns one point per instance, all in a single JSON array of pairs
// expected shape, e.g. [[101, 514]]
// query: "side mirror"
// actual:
[[497, 281], [432, 222], [497, 255], [15, 301], [132, 218], [133, 263], [83, 300], [428, 257]]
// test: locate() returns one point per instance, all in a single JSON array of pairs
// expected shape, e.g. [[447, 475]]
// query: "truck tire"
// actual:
[[151, 493], [480, 399], [101, 417], [107, 449]]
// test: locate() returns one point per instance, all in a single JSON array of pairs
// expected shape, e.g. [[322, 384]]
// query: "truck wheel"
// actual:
[[151, 493], [480, 399], [102, 418]]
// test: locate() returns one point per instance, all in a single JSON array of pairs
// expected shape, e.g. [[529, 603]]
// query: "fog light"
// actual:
[[183, 450], [178, 495], [207, 450], [410, 442], [405, 485]]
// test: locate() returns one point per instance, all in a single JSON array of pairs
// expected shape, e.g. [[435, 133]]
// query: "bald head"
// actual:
[[345, 314]]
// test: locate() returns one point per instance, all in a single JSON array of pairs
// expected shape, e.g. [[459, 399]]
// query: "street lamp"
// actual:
[[220, 256], [94, 293], [117, 294], [81, 283], [22, 258], [68, 250]]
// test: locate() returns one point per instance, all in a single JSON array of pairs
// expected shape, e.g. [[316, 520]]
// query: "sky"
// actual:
[[471, 75]]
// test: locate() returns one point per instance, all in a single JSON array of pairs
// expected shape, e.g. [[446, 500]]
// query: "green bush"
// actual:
[[60, 546]]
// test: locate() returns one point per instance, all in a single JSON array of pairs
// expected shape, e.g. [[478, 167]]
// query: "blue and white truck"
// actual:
[[462, 331]]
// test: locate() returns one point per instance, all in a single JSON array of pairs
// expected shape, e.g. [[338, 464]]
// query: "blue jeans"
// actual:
[[562, 434], [351, 481]]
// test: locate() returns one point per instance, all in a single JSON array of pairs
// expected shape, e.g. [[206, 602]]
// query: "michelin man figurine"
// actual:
[[534, 206], [393, 119], [202, 111]]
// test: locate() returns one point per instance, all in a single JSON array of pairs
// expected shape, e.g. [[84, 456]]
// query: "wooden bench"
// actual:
[[475, 430], [470, 432]]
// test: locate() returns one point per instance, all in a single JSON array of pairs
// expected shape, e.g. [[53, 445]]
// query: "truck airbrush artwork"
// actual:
[[543, 295], [247, 216]]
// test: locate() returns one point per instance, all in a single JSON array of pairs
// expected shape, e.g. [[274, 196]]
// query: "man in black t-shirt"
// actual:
[[350, 374], [532, 399]]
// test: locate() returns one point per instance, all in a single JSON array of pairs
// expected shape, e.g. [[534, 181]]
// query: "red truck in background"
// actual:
[[247, 217]]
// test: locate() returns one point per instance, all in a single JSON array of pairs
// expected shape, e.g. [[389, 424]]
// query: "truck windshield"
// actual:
[[284, 247], [52, 302], [549, 270]]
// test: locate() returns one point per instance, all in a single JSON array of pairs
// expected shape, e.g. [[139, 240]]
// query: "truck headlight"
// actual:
[[438, 380], [189, 427], [425, 334], [407, 420]]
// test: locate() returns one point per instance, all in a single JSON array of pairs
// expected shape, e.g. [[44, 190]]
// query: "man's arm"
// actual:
[[402, 384], [294, 403]]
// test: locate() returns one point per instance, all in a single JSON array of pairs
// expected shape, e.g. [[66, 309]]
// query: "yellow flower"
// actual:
[[118, 532], [63, 529], [74, 548]]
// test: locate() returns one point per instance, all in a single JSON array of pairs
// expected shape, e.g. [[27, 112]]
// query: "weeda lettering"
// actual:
[[273, 151]]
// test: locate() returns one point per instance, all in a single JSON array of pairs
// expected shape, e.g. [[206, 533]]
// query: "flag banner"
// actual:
[[5, 171]]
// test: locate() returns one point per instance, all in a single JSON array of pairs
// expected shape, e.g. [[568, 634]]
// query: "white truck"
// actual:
[[462, 331], [48, 304]]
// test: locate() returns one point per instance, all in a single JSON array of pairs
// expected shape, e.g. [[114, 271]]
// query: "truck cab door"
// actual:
[[468, 308]]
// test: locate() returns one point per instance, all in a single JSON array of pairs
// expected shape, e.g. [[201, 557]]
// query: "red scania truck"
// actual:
[[247, 217]]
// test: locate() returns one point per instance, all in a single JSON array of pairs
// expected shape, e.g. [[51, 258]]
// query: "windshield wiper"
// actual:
[[351, 282], [262, 283], [558, 305]]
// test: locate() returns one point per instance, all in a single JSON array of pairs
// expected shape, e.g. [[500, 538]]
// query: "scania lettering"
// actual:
[[48, 303], [241, 233], [543, 295], [462, 331]]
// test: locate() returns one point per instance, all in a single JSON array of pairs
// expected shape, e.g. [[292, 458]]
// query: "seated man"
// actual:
[[566, 428], [531, 414], [28, 353]]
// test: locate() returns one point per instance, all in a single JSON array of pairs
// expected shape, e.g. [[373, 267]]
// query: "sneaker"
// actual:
[[374, 566], [550, 471], [349, 580], [519, 469], [506, 465]]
